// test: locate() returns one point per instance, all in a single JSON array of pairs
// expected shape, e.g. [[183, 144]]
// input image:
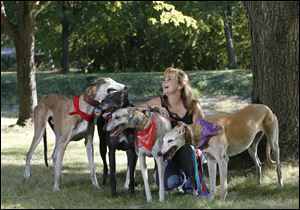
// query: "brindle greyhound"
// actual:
[[238, 131], [123, 141], [140, 120], [68, 125]]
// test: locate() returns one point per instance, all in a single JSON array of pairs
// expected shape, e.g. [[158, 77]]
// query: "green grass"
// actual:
[[142, 86], [77, 191], [76, 187]]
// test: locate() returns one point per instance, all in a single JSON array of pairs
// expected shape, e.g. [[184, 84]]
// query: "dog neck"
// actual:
[[145, 122], [193, 134], [90, 100]]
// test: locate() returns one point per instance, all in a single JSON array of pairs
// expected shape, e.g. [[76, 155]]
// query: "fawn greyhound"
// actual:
[[237, 132], [71, 122], [148, 144]]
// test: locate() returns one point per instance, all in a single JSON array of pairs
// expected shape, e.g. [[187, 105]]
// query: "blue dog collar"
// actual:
[[97, 109]]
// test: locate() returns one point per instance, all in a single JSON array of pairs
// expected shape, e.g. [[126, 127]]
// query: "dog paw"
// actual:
[[56, 189], [97, 187], [26, 176], [211, 196]]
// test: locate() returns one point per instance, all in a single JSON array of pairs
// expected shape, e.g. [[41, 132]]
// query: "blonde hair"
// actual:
[[187, 96]]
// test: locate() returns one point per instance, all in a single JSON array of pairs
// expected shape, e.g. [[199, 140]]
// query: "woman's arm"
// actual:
[[154, 103], [198, 113]]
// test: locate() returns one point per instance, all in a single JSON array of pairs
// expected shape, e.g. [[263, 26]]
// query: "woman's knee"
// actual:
[[172, 182]]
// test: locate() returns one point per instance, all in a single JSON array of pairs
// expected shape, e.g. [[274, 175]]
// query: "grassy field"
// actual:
[[77, 190], [221, 91], [142, 86]]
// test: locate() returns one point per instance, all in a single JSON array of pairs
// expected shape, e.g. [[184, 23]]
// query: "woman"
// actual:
[[178, 103]]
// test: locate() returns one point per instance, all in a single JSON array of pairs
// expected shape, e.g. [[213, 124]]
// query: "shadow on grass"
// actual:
[[78, 192]]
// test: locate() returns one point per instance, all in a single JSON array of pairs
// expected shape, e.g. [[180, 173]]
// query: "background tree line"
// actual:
[[115, 36]]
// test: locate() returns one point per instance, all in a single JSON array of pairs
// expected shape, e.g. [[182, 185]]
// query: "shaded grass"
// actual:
[[142, 85], [77, 191]]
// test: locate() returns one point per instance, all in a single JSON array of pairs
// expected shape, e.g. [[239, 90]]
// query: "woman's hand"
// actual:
[[161, 110]]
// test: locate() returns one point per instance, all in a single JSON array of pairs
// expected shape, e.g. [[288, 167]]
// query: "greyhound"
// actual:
[[68, 125], [123, 141], [143, 121], [237, 132]]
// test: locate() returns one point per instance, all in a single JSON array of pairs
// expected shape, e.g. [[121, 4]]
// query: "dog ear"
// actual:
[[182, 127], [131, 111], [188, 134], [92, 80]]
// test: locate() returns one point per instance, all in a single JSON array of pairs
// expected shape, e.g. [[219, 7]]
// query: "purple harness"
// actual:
[[208, 130]]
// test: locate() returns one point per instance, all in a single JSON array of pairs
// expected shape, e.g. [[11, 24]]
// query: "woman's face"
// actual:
[[170, 84]]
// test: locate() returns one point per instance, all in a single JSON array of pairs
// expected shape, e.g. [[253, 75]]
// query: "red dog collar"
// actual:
[[87, 117], [146, 137]]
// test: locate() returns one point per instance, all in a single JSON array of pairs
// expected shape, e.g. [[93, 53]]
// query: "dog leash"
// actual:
[[202, 189]]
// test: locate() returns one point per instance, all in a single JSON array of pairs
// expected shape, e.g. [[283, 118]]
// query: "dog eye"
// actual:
[[109, 90], [117, 117], [169, 141]]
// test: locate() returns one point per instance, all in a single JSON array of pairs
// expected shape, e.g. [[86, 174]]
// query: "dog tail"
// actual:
[[272, 139], [51, 124], [268, 153], [45, 148]]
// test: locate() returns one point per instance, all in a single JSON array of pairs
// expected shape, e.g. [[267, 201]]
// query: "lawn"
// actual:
[[223, 91]]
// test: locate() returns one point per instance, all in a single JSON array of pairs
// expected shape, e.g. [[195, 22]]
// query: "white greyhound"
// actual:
[[143, 120]]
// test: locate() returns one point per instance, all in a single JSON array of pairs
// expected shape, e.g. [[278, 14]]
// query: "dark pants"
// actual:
[[179, 170]]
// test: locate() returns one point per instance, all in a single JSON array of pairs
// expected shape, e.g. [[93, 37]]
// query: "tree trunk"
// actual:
[[229, 40], [26, 76], [26, 66], [187, 59], [22, 35], [65, 40], [274, 28]]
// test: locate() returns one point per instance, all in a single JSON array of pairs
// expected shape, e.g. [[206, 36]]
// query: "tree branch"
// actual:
[[8, 27], [44, 4]]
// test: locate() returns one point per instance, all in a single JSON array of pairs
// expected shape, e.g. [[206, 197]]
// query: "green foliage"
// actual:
[[170, 15], [140, 36]]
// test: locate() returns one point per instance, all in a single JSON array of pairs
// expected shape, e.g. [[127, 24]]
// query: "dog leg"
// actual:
[[60, 155], [103, 137], [253, 153], [90, 153], [159, 162], [127, 179], [272, 136], [35, 141], [131, 163], [112, 170], [55, 151], [223, 164], [212, 171], [145, 177]]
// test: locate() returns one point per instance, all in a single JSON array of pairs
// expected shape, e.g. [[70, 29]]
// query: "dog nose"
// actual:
[[159, 153]]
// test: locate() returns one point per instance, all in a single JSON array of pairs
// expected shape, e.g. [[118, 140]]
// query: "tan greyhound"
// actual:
[[237, 132], [71, 123]]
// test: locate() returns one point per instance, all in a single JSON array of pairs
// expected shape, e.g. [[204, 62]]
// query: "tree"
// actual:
[[20, 29], [274, 28]]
